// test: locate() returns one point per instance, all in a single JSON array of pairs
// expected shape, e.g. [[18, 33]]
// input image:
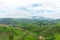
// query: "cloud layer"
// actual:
[[27, 8]]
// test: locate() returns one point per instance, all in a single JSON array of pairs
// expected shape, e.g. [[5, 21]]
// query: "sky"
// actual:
[[28, 8]]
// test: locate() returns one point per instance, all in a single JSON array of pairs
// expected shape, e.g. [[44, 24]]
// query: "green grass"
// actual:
[[6, 33]]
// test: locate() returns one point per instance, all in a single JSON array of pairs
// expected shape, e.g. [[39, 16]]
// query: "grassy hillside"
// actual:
[[11, 33], [29, 29]]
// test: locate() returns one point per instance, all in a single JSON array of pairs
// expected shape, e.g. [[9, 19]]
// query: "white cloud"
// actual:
[[10, 6]]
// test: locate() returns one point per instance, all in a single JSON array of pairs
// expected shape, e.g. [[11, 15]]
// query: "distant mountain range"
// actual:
[[16, 20], [41, 18]]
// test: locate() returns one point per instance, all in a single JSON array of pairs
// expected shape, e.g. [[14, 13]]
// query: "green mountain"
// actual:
[[29, 29]]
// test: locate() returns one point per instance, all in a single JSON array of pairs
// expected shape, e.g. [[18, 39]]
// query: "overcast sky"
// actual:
[[27, 8]]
